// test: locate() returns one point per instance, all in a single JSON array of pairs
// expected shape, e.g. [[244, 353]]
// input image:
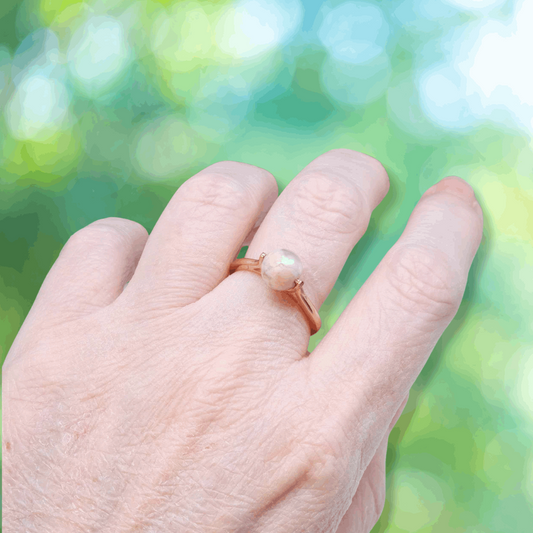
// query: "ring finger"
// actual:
[[320, 216]]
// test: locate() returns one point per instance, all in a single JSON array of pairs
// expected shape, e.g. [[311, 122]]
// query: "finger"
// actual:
[[320, 216], [92, 268], [201, 231], [376, 349], [369, 500]]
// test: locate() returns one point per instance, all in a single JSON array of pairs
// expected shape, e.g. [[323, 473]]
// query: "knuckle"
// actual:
[[346, 160], [325, 473], [123, 227], [334, 205], [353, 166], [107, 231], [236, 168], [424, 282], [323, 451], [215, 190], [354, 156]]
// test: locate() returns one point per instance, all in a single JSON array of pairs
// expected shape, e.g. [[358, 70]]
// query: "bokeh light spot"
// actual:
[[500, 65], [354, 32], [475, 4], [182, 39], [419, 500], [357, 69], [166, 147], [486, 76], [442, 97], [37, 54], [251, 27], [37, 108], [98, 54]]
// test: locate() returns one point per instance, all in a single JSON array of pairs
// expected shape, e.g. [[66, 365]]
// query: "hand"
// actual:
[[189, 402]]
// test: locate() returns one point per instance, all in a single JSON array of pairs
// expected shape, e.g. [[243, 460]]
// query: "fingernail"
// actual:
[[456, 186]]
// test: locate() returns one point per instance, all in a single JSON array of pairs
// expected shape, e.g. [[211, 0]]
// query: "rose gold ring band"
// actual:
[[296, 292]]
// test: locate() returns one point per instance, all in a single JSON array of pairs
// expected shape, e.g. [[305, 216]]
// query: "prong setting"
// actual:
[[281, 269]]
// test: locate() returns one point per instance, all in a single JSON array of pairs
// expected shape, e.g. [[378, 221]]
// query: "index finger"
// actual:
[[370, 358]]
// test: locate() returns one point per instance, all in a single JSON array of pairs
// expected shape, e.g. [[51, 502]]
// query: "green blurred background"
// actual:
[[108, 107]]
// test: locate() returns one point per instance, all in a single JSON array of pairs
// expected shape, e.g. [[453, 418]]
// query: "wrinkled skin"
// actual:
[[188, 401]]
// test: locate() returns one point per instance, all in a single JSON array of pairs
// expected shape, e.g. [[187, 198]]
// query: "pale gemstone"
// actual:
[[280, 269]]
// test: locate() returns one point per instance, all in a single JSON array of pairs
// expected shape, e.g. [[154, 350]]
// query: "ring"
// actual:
[[281, 271]]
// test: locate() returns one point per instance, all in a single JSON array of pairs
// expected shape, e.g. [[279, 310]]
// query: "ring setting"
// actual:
[[281, 270]]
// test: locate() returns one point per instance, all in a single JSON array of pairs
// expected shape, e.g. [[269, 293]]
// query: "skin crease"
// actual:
[[189, 402]]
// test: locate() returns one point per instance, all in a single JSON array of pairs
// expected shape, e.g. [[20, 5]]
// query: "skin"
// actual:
[[188, 401]]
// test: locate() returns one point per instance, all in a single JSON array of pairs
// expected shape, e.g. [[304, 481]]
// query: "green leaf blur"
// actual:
[[108, 107]]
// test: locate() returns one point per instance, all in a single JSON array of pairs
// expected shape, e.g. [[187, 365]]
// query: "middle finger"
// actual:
[[321, 215]]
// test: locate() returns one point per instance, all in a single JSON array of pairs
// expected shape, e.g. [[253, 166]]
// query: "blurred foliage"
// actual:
[[108, 107]]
